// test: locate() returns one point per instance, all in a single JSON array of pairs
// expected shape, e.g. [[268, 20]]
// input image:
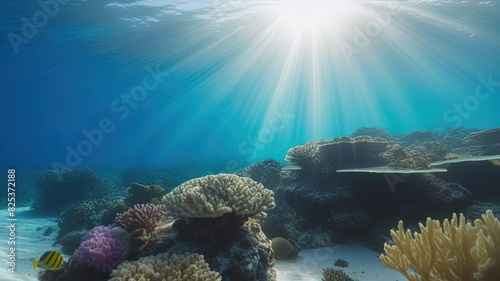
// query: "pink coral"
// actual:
[[143, 216], [100, 249]]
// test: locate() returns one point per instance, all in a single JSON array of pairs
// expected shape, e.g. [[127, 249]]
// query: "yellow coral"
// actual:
[[455, 251]]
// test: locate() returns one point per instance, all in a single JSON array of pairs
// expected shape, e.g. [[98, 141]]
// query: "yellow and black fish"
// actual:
[[50, 260]]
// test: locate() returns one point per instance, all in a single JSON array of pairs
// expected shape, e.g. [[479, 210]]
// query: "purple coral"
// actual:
[[100, 249]]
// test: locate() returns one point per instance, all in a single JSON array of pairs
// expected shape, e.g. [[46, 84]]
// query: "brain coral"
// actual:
[[283, 249], [215, 195], [175, 267]]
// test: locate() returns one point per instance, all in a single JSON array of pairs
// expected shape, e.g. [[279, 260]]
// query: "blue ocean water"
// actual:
[[125, 83]]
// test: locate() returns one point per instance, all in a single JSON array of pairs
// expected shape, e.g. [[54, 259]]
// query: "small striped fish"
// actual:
[[50, 260]]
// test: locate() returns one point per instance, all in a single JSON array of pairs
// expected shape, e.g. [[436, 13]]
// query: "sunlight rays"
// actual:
[[334, 65]]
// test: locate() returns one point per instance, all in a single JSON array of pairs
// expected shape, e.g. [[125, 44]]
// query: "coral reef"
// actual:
[[187, 266], [305, 156], [232, 245], [266, 172], [283, 250], [80, 218], [140, 221], [81, 215], [419, 137], [454, 251], [414, 163], [351, 223], [431, 194], [335, 205], [71, 241], [346, 152], [101, 249], [488, 137], [290, 223], [372, 132], [216, 223], [330, 274], [454, 135], [394, 152], [142, 194], [311, 199], [488, 141], [143, 216], [314, 202], [215, 195], [431, 150], [61, 188]]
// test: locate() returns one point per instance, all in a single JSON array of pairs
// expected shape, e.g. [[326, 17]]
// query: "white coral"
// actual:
[[215, 195]]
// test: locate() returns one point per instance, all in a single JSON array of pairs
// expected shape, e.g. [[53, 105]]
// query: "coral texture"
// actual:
[[100, 249], [454, 251], [372, 132], [266, 172], [283, 250], [330, 274], [489, 137], [215, 195], [415, 163], [346, 152], [303, 155], [59, 188], [143, 216], [142, 194], [81, 217], [233, 245], [174, 267]]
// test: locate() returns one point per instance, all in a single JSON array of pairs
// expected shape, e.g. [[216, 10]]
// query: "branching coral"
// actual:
[[215, 195], [175, 267], [455, 251], [487, 248], [143, 216], [303, 155]]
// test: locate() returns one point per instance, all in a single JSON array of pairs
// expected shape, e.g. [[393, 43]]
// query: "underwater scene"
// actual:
[[284, 140]]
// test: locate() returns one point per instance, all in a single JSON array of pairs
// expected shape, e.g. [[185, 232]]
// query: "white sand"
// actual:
[[30, 244], [364, 264]]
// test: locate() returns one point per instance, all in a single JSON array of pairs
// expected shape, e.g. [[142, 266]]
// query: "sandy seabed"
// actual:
[[364, 264]]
